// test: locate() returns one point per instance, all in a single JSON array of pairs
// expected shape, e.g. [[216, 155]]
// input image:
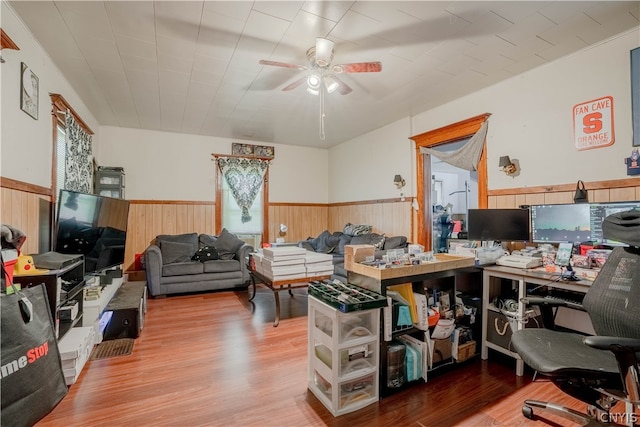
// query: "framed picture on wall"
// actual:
[[29, 91], [635, 95], [249, 150]]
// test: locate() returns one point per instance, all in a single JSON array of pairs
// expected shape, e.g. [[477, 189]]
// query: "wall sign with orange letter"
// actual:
[[593, 123]]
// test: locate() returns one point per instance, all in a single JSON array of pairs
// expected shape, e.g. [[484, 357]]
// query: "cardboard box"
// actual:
[[466, 350], [354, 254], [442, 350]]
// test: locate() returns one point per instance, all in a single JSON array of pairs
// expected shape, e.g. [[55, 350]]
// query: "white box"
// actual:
[[75, 342]]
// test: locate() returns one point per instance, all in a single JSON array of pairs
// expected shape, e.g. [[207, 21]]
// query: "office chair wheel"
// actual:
[[527, 411]]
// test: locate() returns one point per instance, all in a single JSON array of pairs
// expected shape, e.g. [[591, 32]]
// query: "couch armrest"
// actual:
[[242, 255], [153, 268]]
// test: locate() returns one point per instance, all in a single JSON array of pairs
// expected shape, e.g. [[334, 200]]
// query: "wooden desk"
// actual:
[[492, 287], [280, 285]]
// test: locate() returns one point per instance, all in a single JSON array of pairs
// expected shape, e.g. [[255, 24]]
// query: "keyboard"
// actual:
[[570, 302], [519, 261]]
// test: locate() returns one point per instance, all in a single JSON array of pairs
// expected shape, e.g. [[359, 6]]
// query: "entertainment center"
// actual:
[[90, 300]]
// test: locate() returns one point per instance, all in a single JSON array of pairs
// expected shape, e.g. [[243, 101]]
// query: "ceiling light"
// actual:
[[330, 83], [313, 81], [324, 52], [313, 91]]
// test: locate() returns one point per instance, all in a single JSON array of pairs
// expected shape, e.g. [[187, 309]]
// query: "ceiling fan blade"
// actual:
[[295, 84], [282, 64], [358, 67], [343, 88]]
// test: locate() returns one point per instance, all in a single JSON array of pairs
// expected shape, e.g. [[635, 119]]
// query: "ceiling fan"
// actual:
[[322, 75], [322, 72]]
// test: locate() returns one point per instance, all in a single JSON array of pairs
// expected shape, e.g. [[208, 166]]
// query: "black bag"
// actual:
[[206, 253], [32, 381], [581, 195]]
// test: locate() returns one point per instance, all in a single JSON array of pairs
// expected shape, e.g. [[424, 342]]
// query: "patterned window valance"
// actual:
[[244, 177], [466, 157], [78, 167]]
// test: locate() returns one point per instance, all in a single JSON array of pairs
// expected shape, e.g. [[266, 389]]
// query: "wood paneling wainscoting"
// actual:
[[622, 190], [28, 208], [149, 218], [389, 216], [302, 220]]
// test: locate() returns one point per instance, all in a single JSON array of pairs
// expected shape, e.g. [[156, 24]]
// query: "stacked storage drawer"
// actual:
[[343, 356]]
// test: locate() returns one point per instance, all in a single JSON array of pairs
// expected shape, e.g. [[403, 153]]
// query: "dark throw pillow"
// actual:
[[206, 253], [374, 239], [343, 240], [207, 240], [227, 245], [173, 252], [188, 238], [395, 242]]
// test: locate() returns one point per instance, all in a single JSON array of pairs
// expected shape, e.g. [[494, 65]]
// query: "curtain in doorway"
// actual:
[[79, 160], [244, 177], [466, 157]]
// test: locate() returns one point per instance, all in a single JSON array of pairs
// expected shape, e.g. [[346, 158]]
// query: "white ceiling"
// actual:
[[192, 66]]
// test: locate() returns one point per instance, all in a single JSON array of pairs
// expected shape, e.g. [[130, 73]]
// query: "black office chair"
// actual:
[[599, 370]]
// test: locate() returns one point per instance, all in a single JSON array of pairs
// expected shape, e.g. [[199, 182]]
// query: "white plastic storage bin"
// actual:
[[343, 357]]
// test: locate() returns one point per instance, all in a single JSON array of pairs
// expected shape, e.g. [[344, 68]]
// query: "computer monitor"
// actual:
[[560, 223], [599, 211], [506, 225]]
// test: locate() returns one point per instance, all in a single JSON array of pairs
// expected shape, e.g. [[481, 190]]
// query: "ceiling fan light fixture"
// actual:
[[330, 83], [313, 81], [324, 52], [313, 91]]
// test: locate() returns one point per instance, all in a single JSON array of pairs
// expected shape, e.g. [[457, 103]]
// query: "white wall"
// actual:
[[531, 121], [531, 117], [172, 166], [26, 145], [364, 168]]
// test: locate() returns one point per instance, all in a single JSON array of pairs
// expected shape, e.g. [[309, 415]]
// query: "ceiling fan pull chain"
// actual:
[[322, 113]]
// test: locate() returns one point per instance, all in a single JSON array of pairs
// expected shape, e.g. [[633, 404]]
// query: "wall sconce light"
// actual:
[[507, 166], [398, 180], [283, 229]]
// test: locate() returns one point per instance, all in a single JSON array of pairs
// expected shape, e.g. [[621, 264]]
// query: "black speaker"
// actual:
[[124, 323], [127, 309]]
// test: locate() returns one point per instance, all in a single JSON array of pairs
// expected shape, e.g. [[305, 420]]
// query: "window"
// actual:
[[228, 213], [232, 214], [80, 136]]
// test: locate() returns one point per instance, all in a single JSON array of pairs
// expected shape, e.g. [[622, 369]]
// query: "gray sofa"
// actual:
[[195, 263], [334, 243]]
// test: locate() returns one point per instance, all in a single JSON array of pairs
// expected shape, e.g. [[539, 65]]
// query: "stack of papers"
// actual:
[[318, 264], [283, 263]]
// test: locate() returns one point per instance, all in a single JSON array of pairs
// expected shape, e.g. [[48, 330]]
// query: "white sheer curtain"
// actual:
[[466, 157]]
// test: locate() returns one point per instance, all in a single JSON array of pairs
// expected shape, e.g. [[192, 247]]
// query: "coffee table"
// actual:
[[279, 285]]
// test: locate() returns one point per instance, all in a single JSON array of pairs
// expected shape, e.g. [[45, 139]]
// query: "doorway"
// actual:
[[450, 134], [454, 192]]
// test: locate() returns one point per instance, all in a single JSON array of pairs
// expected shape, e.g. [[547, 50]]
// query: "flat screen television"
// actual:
[[560, 223], [506, 225], [94, 226]]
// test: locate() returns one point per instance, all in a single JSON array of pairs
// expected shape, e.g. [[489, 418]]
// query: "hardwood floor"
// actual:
[[215, 359]]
